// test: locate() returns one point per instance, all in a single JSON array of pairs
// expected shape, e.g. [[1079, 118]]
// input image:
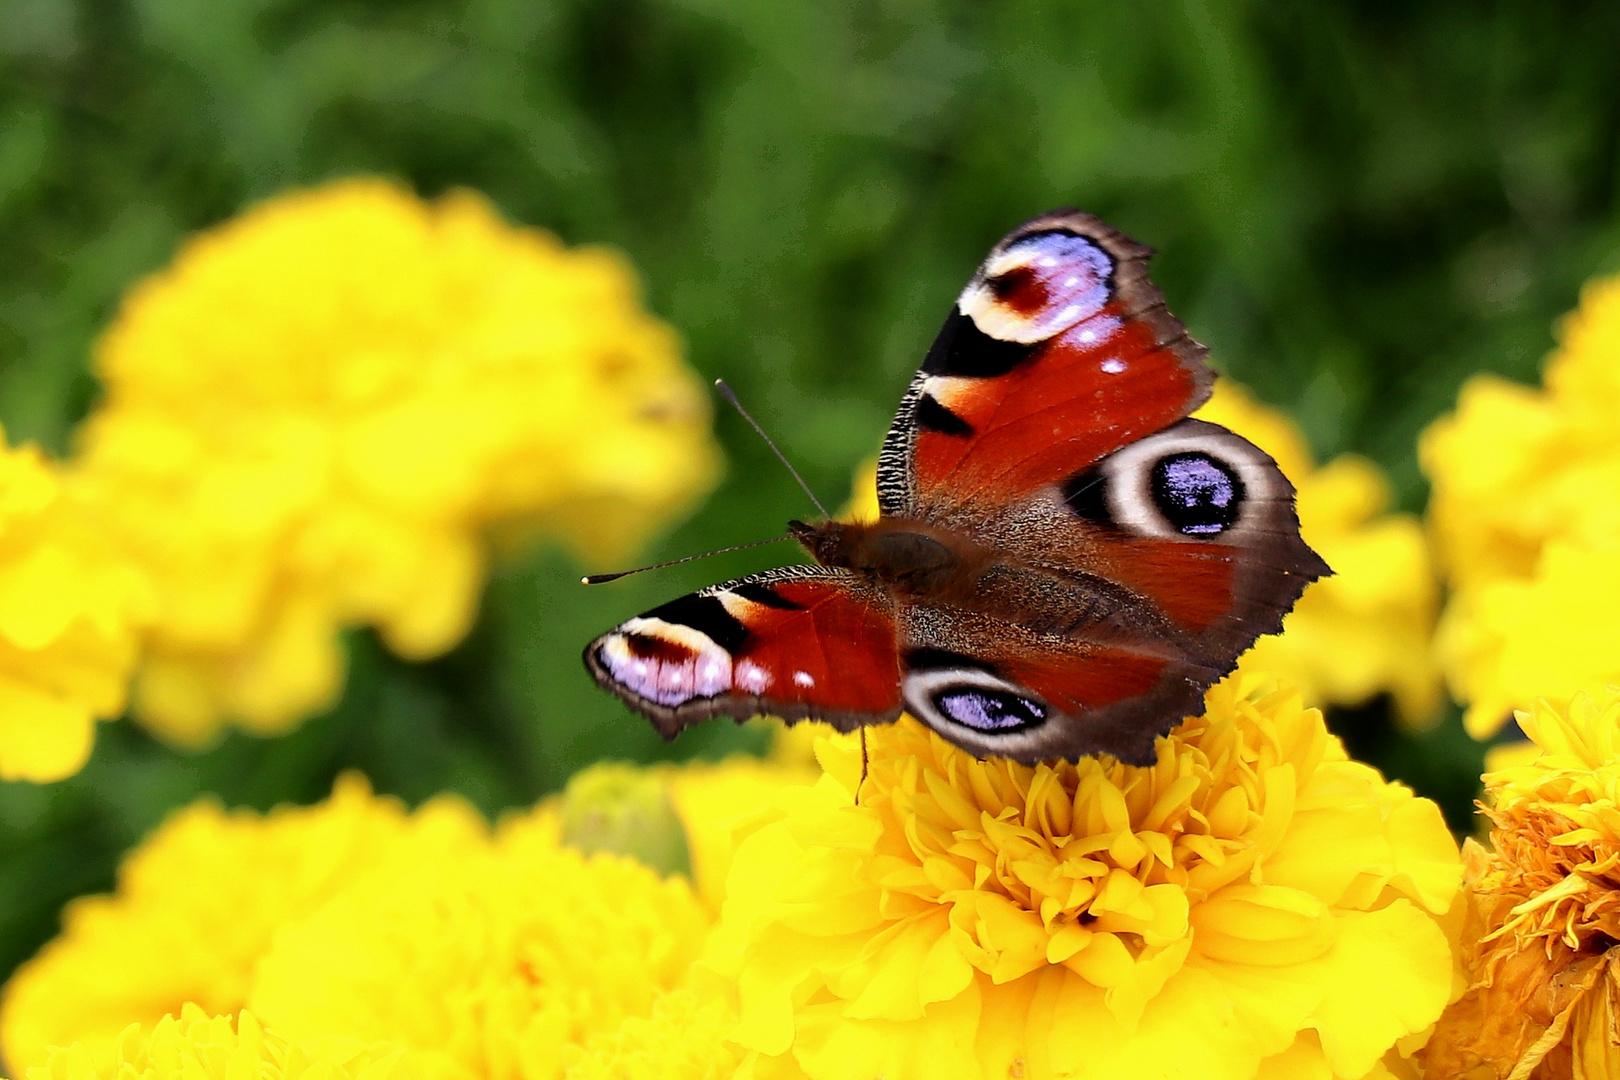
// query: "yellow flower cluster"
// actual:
[[487, 962], [1542, 939], [1254, 904], [488, 955], [196, 1046], [313, 418], [1527, 527], [1366, 629], [70, 611], [197, 906]]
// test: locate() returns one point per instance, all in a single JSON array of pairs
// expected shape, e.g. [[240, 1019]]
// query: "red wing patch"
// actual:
[[1080, 396], [1188, 581], [795, 643], [1086, 678]]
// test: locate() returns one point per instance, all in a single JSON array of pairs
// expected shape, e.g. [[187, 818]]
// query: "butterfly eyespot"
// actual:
[[1199, 494], [988, 710], [969, 703], [1191, 481], [1038, 286]]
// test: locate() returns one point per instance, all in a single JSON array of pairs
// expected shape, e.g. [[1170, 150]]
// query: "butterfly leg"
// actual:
[[862, 781]]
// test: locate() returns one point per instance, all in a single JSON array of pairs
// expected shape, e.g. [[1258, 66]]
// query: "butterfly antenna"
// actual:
[[727, 393], [598, 579]]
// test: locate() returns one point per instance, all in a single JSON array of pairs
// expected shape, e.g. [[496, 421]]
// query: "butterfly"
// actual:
[[1064, 561]]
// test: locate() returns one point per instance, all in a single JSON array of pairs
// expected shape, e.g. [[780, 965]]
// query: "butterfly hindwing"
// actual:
[[797, 642], [1116, 600], [999, 688]]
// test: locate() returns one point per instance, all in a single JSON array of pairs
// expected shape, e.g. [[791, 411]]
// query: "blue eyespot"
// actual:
[[1197, 493]]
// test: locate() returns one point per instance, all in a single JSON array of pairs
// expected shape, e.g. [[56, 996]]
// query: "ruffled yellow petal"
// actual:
[[720, 807], [71, 611], [196, 1046], [683, 1038]]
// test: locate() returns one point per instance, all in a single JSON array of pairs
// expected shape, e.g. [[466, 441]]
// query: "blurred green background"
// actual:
[[1356, 205]]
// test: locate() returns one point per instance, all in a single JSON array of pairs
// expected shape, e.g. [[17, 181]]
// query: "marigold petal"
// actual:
[[938, 1045], [1267, 925], [43, 738]]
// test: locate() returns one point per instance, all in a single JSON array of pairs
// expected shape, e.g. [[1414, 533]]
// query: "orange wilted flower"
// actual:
[[1541, 939]]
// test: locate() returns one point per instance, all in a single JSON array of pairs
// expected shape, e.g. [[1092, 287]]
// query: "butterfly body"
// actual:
[[1063, 563]]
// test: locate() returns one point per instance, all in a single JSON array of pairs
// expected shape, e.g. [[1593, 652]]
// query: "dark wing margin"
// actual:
[[799, 642]]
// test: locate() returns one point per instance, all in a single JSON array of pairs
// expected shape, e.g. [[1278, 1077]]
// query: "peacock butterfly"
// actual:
[[1064, 561]]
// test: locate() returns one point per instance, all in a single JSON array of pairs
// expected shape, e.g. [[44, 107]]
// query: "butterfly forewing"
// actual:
[[1058, 352]]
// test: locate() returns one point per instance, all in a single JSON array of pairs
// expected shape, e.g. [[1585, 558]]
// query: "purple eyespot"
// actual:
[[983, 709]]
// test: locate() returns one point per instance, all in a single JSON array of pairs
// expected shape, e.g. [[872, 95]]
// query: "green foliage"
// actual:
[[1355, 206]]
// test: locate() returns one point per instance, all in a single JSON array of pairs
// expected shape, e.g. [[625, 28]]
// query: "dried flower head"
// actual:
[[1541, 944]]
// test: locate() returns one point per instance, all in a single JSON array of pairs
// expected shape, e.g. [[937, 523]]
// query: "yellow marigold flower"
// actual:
[[1368, 628], [313, 418], [69, 613], [1541, 947], [1254, 904], [863, 500], [487, 961], [196, 1046], [1526, 533], [197, 905]]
